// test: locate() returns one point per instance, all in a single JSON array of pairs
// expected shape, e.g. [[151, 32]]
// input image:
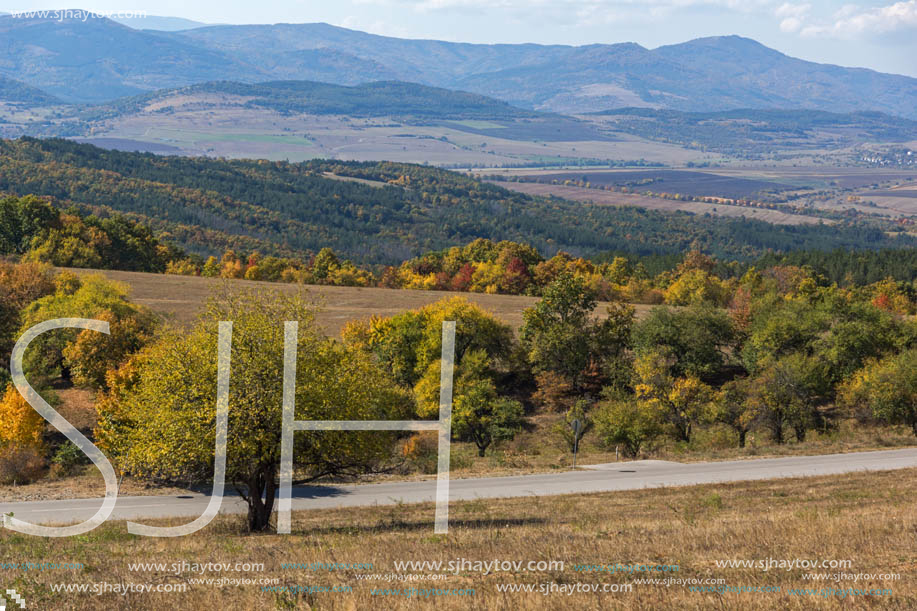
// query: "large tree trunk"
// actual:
[[482, 440], [683, 431], [742, 434], [777, 431], [261, 489]]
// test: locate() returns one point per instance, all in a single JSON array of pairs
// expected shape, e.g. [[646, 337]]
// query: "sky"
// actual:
[[877, 34]]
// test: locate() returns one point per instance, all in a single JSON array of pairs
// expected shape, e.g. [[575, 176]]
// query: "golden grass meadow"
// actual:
[[868, 519]]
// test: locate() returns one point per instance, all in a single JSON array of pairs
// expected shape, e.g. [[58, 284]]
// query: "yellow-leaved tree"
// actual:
[[683, 402], [20, 425], [158, 420]]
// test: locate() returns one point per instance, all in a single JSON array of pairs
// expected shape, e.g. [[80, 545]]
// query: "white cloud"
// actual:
[[795, 11], [851, 21], [539, 6], [792, 16], [790, 24]]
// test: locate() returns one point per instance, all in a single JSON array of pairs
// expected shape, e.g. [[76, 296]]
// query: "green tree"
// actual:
[[858, 332], [886, 388], [159, 418], [698, 338], [732, 410], [780, 327], [561, 335], [786, 393], [628, 423], [324, 264], [479, 413]]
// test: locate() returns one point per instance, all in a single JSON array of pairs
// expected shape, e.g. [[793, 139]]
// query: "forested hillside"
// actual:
[[15, 91], [34, 230], [378, 99], [210, 205]]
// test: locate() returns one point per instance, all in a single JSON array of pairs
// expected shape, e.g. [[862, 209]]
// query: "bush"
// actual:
[[20, 464], [421, 453], [628, 423], [68, 460], [564, 429]]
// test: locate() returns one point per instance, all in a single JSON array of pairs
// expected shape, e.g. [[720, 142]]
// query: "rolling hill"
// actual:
[[392, 212], [18, 92], [101, 60], [376, 99]]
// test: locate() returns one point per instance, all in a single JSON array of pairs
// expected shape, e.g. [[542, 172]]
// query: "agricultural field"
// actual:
[[610, 198], [897, 201], [696, 183], [297, 137], [792, 195]]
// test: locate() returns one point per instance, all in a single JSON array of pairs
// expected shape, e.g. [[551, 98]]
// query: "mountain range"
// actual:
[[99, 60]]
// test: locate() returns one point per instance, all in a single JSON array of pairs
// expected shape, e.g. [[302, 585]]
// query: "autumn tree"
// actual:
[[561, 335], [20, 285], [20, 424], [552, 392], [681, 402], [886, 389], [83, 356], [410, 343], [161, 424]]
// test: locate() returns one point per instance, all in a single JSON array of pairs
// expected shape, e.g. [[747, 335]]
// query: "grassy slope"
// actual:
[[180, 298]]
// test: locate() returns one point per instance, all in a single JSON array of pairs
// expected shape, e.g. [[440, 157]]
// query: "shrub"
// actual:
[[20, 464], [68, 460], [421, 453], [628, 423], [564, 429]]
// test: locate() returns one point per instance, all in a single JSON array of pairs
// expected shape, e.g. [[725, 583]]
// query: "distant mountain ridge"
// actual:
[[162, 24], [100, 60]]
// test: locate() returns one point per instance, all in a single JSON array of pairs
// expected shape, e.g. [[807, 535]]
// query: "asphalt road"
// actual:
[[595, 478]]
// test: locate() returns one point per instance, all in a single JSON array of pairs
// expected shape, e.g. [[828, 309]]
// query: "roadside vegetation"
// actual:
[[777, 361]]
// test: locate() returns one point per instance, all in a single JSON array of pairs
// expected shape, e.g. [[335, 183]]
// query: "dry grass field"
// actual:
[[180, 298], [868, 519]]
